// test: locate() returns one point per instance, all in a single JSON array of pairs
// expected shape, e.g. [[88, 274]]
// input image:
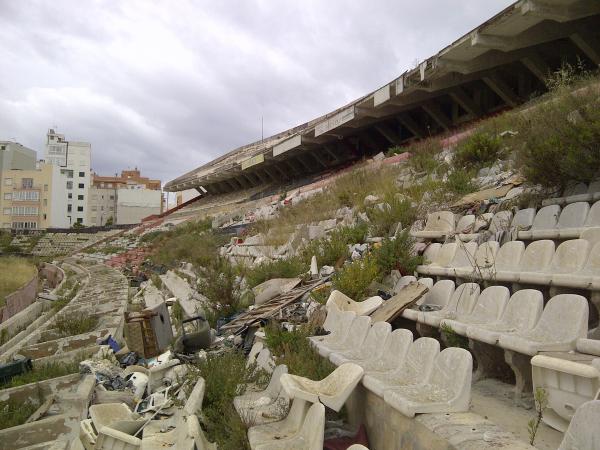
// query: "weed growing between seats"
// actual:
[[329, 250], [452, 339], [42, 372], [293, 349], [280, 268], [13, 412], [74, 323], [226, 376], [355, 277]]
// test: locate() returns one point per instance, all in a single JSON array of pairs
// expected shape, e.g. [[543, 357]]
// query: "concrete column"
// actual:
[[435, 112], [504, 91], [459, 95]]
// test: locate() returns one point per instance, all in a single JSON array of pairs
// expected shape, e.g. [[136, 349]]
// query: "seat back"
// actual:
[[583, 432], [546, 218], [313, 428], [376, 336], [440, 221], [593, 262], [426, 281], [509, 256], [439, 294], [465, 224], [523, 219], [575, 189], [340, 378], [501, 221], [274, 386], [419, 361], [431, 252], [537, 256], [396, 347], [333, 313], [464, 255], [593, 217], [452, 370], [339, 299], [565, 318], [573, 215], [592, 235], [338, 335], [358, 332], [491, 303], [570, 256], [403, 281], [523, 310], [486, 254], [446, 254], [464, 298], [482, 222]]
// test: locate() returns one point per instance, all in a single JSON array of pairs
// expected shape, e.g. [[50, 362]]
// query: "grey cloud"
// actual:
[[167, 86]]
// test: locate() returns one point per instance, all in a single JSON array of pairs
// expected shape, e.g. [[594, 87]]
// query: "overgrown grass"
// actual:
[[226, 376], [14, 273], [281, 268], [74, 323], [395, 210], [42, 372], [13, 412]]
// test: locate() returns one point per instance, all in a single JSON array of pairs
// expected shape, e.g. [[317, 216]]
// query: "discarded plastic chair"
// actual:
[[345, 303], [394, 350], [308, 437], [332, 391], [282, 429], [264, 406], [357, 333], [372, 346]]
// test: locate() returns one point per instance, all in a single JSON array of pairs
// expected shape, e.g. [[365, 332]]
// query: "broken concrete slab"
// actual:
[[272, 288]]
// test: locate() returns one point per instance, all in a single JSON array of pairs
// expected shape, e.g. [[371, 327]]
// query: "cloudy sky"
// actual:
[[168, 85]]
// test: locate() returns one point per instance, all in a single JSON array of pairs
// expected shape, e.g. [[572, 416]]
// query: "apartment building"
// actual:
[[16, 156], [31, 199], [74, 161], [124, 199]]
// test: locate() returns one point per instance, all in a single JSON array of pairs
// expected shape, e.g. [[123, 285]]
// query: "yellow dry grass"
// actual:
[[14, 273]]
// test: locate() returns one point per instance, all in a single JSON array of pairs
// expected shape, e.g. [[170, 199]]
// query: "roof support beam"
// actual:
[[387, 132], [588, 44], [282, 172], [248, 178], [260, 177], [303, 163], [331, 153], [318, 158], [537, 66], [459, 95], [242, 180], [292, 166], [503, 90], [437, 114], [275, 177], [411, 125]]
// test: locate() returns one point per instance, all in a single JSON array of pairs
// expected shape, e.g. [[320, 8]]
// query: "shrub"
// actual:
[[384, 220], [460, 182], [293, 349], [220, 283], [354, 278], [424, 156], [478, 150], [281, 268], [397, 254], [226, 376], [331, 249], [188, 243], [561, 140], [16, 412]]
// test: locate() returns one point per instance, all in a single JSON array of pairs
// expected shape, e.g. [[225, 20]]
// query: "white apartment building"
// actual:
[[74, 160]]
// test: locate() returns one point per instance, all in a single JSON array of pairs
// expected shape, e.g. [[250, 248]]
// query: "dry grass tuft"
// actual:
[[14, 273]]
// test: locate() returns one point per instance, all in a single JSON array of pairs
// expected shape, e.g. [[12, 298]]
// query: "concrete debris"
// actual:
[[371, 200], [314, 268], [272, 288]]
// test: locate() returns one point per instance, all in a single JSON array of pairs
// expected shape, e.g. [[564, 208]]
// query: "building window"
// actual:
[[26, 196], [112, 197], [7, 211], [94, 208], [45, 202], [45, 188], [69, 185], [79, 220], [69, 208], [80, 209], [8, 182], [44, 216], [70, 195], [7, 196], [81, 185], [80, 197], [25, 211], [27, 183], [95, 197], [111, 208], [81, 174]]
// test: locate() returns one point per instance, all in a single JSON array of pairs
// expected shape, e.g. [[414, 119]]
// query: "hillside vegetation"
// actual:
[[14, 273]]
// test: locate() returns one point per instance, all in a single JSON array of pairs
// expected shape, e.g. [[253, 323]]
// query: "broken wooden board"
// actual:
[[269, 309], [393, 307], [479, 196]]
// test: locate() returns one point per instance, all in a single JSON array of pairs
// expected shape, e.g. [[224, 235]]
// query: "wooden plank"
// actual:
[[393, 307]]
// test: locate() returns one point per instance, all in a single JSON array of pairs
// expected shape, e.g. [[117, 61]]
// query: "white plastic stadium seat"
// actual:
[[544, 223], [439, 224]]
